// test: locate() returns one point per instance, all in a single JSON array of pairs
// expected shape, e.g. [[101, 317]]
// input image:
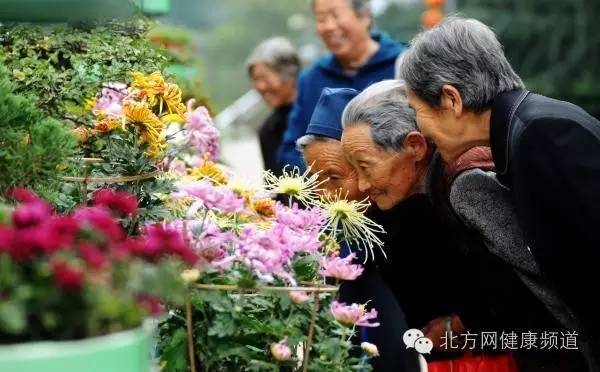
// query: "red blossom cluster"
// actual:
[[86, 241]]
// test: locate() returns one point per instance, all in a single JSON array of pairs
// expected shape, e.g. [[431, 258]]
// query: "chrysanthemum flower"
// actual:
[[150, 85], [150, 127], [210, 196], [353, 315], [340, 268], [211, 171], [201, 133], [348, 218], [294, 184], [299, 219]]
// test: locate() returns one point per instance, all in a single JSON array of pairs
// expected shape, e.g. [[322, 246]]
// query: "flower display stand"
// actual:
[[127, 351]]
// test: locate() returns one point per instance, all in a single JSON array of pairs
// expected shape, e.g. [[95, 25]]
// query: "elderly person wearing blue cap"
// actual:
[[357, 58], [398, 280]]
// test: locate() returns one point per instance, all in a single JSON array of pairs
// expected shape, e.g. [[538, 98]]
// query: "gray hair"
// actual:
[[463, 53], [383, 107], [306, 140], [361, 7], [277, 52]]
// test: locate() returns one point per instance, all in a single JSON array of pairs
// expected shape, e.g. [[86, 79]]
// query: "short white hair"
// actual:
[[384, 108], [277, 52]]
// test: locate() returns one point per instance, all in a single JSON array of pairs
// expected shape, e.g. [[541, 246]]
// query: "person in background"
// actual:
[[505, 289], [547, 153], [322, 152], [273, 67], [357, 58]]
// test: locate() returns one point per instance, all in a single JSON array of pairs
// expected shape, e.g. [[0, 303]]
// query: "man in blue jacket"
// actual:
[[356, 60]]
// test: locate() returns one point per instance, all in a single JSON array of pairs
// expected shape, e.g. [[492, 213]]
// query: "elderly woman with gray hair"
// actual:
[[547, 152], [394, 162], [273, 67]]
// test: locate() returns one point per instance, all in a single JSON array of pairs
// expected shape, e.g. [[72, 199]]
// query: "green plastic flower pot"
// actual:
[[127, 351]]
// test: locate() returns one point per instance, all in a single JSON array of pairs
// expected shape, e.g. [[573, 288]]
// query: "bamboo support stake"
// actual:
[[311, 331], [190, 334]]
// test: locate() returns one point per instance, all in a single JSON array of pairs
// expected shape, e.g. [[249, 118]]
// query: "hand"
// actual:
[[436, 330]]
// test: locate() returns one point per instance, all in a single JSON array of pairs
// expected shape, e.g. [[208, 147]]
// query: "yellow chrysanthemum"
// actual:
[[294, 184], [264, 207], [89, 103], [158, 93], [209, 170], [149, 125], [347, 217], [106, 125], [171, 98], [151, 85]]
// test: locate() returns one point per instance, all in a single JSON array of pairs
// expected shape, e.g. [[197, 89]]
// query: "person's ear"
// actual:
[[451, 99], [416, 145]]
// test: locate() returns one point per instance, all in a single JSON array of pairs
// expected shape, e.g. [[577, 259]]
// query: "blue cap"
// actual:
[[326, 120]]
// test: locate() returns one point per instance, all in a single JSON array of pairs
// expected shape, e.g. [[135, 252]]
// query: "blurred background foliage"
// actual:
[[553, 45]]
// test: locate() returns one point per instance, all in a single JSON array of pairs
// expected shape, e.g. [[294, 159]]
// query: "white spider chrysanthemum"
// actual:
[[301, 186], [348, 218]]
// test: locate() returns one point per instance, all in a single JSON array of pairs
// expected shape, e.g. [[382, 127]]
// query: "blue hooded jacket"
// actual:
[[328, 72]]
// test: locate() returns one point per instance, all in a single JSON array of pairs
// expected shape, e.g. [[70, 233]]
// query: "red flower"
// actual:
[[121, 203], [150, 303], [101, 220], [31, 213], [92, 256], [7, 235], [67, 277], [22, 195], [169, 241], [64, 228]]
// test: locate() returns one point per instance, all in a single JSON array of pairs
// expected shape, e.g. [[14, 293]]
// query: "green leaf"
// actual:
[[12, 317], [223, 326]]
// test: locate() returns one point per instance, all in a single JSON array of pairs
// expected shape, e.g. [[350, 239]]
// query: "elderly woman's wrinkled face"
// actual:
[[387, 177], [275, 90], [438, 124], [328, 159], [340, 28]]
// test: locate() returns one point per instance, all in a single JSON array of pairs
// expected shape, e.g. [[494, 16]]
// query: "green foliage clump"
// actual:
[[232, 332], [66, 65], [34, 149]]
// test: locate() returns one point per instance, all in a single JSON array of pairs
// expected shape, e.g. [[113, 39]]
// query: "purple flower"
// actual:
[[210, 196], [353, 315], [213, 245], [178, 167], [201, 133], [340, 268], [261, 252], [111, 99], [295, 241], [300, 219]]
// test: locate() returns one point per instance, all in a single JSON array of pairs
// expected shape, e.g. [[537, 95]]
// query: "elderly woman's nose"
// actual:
[[363, 184]]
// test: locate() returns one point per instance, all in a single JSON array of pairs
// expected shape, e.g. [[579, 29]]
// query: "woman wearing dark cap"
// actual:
[[273, 67]]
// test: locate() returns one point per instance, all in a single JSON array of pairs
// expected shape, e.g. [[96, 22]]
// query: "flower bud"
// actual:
[[298, 297], [281, 350], [190, 276], [370, 349]]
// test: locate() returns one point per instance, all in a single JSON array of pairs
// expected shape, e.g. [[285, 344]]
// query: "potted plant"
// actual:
[[75, 289]]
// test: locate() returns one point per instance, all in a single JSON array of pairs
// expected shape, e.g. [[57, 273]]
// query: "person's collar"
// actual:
[[388, 50], [504, 107]]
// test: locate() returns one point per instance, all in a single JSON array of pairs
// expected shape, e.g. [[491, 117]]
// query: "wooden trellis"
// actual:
[[315, 289]]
